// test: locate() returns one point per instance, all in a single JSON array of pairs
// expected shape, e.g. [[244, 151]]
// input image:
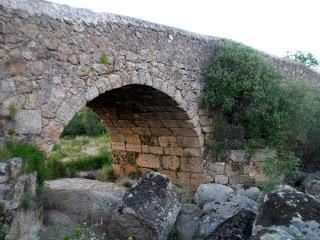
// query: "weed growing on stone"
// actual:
[[12, 111], [104, 59]]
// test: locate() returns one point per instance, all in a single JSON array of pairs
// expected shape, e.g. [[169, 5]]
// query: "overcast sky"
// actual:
[[274, 26]]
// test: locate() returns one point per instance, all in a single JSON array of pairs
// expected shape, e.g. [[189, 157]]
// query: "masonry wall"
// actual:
[[51, 67]]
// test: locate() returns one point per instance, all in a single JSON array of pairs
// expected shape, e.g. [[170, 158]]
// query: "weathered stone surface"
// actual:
[[149, 210], [21, 214], [80, 200], [148, 161], [188, 222], [212, 192], [15, 166], [311, 183], [286, 213], [238, 226], [28, 121], [91, 174], [221, 179], [253, 193], [12, 192], [26, 224], [219, 211], [4, 172], [238, 156]]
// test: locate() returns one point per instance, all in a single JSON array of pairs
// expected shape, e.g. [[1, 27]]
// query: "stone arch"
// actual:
[[150, 131]]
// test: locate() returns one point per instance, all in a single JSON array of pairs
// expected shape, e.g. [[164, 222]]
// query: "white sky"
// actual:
[[274, 26]]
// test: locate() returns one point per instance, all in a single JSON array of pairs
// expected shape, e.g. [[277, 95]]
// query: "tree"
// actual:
[[307, 59]]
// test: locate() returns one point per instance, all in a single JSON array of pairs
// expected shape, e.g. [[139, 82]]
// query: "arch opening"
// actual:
[[150, 131]]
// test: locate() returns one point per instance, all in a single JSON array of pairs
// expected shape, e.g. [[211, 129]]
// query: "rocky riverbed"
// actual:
[[151, 209]]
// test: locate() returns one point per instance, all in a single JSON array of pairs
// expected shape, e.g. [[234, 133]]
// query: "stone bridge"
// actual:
[[143, 79]]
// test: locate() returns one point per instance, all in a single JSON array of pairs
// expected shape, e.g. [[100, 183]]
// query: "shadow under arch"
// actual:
[[150, 131]]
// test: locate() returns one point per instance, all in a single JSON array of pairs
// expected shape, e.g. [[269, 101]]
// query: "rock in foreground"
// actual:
[[287, 214], [149, 210], [69, 202]]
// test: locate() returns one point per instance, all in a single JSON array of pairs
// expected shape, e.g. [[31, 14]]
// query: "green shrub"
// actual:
[[34, 159], [245, 88], [56, 169], [279, 167], [254, 108], [85, 122]]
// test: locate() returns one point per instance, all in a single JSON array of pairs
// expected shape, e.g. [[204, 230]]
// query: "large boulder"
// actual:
[[149, 210], [311, 183], [238, 227], [188, 222], [286, 213], [69, 202], [218, 212], [212, 192]]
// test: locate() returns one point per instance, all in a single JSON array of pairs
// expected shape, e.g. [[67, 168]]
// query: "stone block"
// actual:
[[125, 123], [221, 179], [155, 150], [170, 123], [118, 146], [233, 169], [172, 175], [184, 178], [140, 123], [194, 152], [116, 137], [185, 124], [170, 162], [168, 141], [161, 132], [145, 148], [188, 142], [148, 161], [217, 167], [238, 156], [196, 179], [28, 122], [191, 164], [155, 124], [125, 130], [173, 151], [238, 179], [185, 132], [133, 147], [259, 177], [141, 130], [133, 139]]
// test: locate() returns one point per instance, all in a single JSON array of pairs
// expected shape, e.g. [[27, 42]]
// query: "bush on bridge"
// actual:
[[255, 108]]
